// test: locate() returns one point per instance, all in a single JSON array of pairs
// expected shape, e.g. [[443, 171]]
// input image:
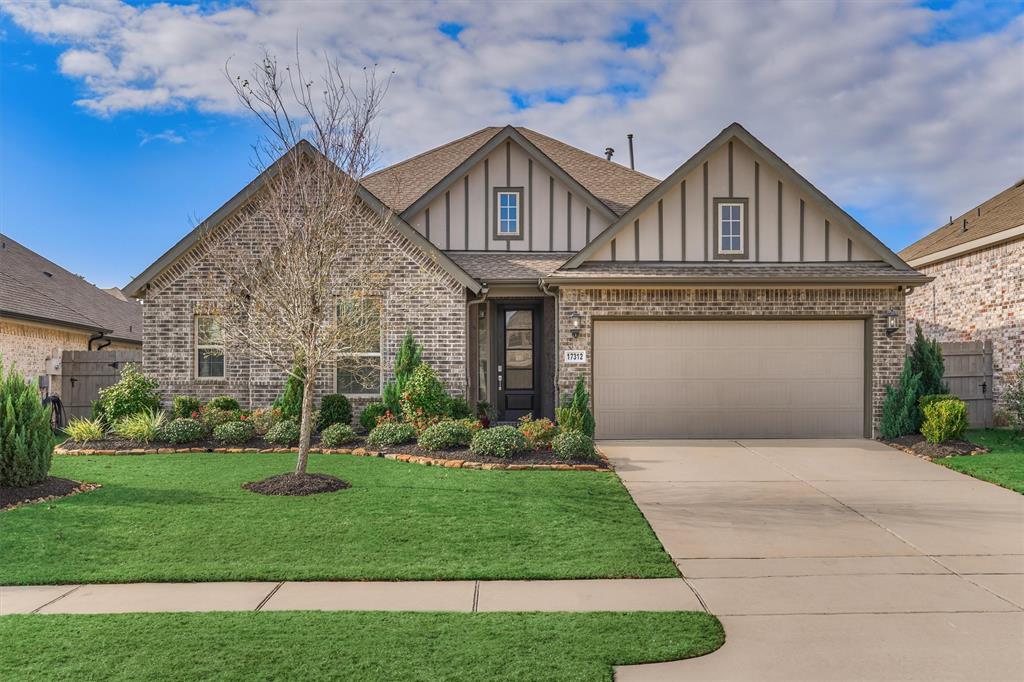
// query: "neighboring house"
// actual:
[[977, 261], [730, 299], [45, 310]]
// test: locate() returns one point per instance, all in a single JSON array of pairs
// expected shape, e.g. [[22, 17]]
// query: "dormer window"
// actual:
[[730, 228], [508, 223]]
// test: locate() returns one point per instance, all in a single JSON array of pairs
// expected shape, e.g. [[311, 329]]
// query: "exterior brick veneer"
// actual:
[[888, 351], [976, 297], [420, 296]]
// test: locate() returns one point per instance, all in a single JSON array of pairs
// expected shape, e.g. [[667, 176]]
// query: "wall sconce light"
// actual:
[[892, 321], [576, 320]]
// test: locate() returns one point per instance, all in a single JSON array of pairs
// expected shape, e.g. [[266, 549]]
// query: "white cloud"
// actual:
[[169, 136], [873, 102]]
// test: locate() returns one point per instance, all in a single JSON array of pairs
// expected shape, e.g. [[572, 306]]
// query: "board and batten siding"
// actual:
[[554, 218], [681, 225]]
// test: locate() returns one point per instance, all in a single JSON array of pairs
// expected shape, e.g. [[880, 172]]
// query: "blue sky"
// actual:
[[120, 132]]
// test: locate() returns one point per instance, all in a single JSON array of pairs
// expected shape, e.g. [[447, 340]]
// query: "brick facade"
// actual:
[[420, 296], [976, 297], [887, 351]]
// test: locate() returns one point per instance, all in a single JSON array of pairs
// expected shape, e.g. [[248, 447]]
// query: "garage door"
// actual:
[[729, 379]]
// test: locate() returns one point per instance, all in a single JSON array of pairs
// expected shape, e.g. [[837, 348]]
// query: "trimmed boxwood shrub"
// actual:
[[573, 445], [337, 434], [182, 430], [334, 409], [500, 441], [391, 433], [370, 414], [446, 435], [184, 406], [944, 420], [26, 441], [132, 394], [284, 432], [234, 433], [223, 402]]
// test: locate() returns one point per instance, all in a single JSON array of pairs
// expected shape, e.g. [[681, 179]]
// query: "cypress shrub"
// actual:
[[409, 357], [290, 402], [900, 412], [926, 360], [575, 414], [26, 441]]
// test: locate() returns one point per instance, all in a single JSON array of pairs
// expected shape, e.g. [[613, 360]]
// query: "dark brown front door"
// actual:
[[518, 336]]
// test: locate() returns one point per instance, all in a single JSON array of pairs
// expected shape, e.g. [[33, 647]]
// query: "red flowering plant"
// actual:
[[538, 432]]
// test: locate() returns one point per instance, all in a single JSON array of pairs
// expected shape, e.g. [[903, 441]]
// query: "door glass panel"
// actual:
[[518, 339], [519, 379], [519, 349], [519, 359], [519, 319]]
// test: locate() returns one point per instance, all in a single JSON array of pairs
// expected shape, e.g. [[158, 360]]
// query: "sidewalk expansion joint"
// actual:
[[476, 596], [56, 599], [269, 595]]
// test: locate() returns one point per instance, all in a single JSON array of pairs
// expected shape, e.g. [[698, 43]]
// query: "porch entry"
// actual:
[[517, 359]]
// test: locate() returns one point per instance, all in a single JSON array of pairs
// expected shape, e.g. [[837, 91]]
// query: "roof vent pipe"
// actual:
[[608, 152], [632, 165]]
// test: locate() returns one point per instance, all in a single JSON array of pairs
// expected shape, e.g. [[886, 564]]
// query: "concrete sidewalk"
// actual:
[[664, 594]]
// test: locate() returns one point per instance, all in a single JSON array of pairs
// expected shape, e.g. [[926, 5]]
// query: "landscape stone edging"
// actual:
[[604, 465], [82, 487]]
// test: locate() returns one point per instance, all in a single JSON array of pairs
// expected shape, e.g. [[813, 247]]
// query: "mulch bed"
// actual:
[[123, 446], [463, 454], [297, 484], [915, 444], [52, 488]]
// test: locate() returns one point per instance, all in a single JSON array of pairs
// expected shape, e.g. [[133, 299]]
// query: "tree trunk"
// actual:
[[306, 422]]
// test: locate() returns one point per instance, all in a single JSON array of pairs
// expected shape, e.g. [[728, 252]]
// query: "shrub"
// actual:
[[1013, 400], [212, 418], [223, 402], [446, 434], [284, 432], [337, 434], [26, 441], [184, 406], [234, 433], [501, 441], [458, 408], [929, 398], [538, 432], [574, 445], [334, 409], [141, 427], [575, 414], [424, 400], [391, 433], [900, 410], [370, 414], [944, 420], [132, 394], [263, 420], [1001, 419], [290, 402], [182, 430], [408, 358], [84, 430], [926, 360]]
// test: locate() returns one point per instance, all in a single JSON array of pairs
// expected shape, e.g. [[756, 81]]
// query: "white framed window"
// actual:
[[209, 347], [358, 370], [730, 228], [508, 213]]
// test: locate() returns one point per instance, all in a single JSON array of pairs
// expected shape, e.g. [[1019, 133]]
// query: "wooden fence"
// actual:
[[85, 372], [969, 377]]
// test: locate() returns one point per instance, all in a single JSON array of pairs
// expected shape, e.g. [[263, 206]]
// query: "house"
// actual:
[[730, 299], [977, 262], [46, 310]]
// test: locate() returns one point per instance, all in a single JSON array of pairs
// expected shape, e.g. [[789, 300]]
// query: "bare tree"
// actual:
[[276, 288]]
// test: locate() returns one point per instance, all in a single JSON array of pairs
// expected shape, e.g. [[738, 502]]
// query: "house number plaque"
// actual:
[[575, 357]]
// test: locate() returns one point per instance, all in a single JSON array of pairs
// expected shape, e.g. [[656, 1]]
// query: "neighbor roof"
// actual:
[[34, 288], [1002, 212], [401, 185]]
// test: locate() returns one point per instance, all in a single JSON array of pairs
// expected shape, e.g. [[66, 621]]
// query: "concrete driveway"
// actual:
[[835, 559]]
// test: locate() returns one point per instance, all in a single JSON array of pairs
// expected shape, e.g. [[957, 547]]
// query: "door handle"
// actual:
[[499, 377]]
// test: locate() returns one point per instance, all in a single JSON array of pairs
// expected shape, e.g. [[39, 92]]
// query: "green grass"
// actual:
[[1004, 465], [348, 646], [185, 517]]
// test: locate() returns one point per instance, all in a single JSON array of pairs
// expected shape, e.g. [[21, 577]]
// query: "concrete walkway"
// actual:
[[666, 594], [835, 560]]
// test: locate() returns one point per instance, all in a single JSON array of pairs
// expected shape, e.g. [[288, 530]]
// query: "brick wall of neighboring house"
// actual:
[[30, 345], [420, 297], [975, 297], [888, 351]]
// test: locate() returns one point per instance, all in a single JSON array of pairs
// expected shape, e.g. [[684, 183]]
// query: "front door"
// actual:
[[518, 341]]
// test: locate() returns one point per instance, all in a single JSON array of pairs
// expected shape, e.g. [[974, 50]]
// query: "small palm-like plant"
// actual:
[[141, 427]]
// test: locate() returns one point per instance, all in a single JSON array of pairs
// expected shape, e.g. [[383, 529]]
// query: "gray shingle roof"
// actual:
[[725, 272], [504, 266], [1002, 212], [34, 287]]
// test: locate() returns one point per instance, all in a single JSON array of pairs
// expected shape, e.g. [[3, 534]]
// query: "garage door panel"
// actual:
[[707, 379]]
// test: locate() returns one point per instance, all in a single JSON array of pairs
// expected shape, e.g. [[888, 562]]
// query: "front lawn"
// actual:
[[185, 517], [348, 646], [1004, 465]]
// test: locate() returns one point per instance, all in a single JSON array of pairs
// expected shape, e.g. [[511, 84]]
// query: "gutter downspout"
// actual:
[[100, 336], [472, 400], [543, 286]]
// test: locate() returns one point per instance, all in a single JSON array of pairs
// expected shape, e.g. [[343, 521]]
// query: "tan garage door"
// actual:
[[729, 379]]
